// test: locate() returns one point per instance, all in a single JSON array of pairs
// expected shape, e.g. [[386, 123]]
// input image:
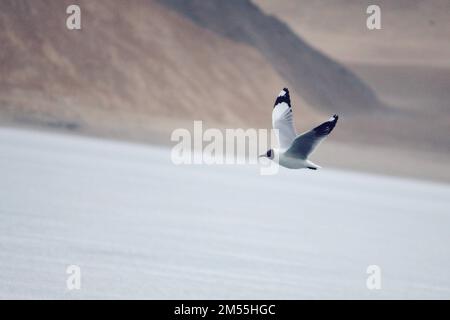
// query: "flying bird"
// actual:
[[294, 150]]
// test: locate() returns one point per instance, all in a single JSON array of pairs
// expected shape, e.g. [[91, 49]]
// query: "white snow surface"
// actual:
[[140, 227]]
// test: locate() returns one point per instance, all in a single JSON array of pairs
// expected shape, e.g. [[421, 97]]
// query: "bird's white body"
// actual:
[[292, 163], [294, 150]]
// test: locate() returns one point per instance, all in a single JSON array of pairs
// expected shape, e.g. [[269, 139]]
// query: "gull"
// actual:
[[294, 150]]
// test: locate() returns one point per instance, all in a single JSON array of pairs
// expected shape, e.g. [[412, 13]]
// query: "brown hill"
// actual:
[[139, 69], [134, 69], [321, 81]]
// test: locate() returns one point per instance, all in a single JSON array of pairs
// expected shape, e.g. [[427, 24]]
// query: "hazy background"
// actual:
[[137, 70], [86, 176]]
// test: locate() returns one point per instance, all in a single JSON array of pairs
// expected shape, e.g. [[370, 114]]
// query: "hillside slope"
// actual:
[[133, 69], [412, 31], [321, 81], [138, 70]]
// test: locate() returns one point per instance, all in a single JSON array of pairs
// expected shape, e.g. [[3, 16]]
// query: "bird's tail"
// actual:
[[312, 166]]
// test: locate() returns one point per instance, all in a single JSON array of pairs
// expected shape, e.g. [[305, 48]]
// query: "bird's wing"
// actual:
[[305, 143], [282, 119]]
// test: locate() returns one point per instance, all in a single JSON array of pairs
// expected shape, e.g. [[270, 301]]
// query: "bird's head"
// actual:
[[269, 154]]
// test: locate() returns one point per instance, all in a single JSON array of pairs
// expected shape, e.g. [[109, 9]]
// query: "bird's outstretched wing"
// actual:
[[305, 143], [282, 119]]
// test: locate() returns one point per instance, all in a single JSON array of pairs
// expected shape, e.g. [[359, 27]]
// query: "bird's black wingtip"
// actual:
[[334, 118], [326, 127], [283, 97]]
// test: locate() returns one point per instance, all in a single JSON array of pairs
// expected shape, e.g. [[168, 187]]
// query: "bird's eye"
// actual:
[[269, 153]]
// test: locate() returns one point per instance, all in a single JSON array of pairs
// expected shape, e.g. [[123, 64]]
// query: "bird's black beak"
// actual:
[[262, 155]]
